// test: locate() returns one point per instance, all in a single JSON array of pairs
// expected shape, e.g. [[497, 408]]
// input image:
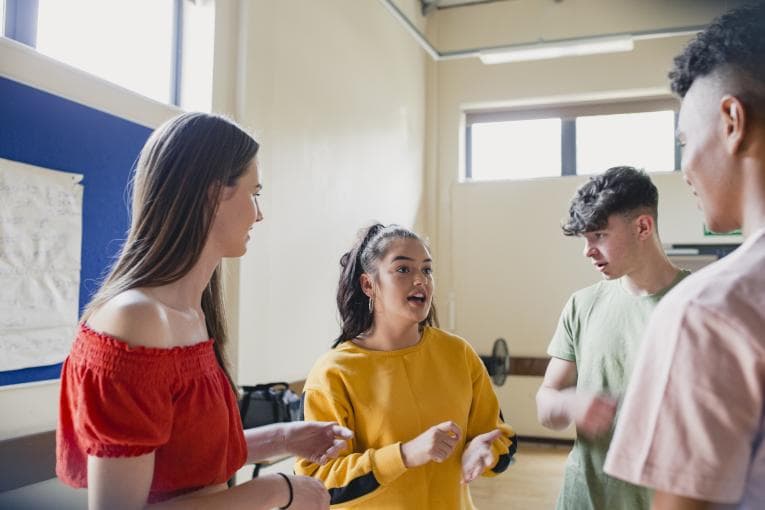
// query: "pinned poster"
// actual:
[[40, 238]]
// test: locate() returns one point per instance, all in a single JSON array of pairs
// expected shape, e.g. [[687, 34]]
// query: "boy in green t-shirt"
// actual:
[[599, 332]]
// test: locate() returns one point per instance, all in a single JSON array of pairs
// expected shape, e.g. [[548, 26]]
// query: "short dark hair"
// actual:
[[733, 43], [619, 190]]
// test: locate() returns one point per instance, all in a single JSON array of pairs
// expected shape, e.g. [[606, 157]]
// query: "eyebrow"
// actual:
[[404, 257]]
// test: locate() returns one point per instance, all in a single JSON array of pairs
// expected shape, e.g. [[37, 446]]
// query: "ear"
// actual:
[[734, 123], [645, 226], [367, 285]]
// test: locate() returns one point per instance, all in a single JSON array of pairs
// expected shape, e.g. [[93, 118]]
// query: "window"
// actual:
[[130, 44], [571, 140], [525, 148], [133, 43]]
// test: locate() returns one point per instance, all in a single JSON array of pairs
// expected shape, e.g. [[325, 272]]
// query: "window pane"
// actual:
[[126, 42], [198, 45], [643, 140], [522, 149]]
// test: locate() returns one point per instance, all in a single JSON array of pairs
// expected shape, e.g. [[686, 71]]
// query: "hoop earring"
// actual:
[[371, 305]]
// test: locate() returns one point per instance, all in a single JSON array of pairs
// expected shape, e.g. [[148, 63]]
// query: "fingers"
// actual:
[[595, 415], [473, 469], [447, 440], [333, 451], [340, 431], [489, 437], [450, 428]]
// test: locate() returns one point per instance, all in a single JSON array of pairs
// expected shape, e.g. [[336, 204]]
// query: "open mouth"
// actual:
[[417, 297], [600, 265]]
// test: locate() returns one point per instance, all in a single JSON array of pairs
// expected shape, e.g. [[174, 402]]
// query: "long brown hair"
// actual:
[[353, 305], [176, 185]]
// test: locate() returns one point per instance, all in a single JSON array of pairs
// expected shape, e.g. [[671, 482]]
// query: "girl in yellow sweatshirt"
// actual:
[[419, 400]]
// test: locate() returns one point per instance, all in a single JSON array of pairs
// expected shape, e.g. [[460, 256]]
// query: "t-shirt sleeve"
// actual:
[[692, 410], [563, 340], [118, 416]]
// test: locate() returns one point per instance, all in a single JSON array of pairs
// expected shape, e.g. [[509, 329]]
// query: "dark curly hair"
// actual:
[[619, 190], [734, 43]]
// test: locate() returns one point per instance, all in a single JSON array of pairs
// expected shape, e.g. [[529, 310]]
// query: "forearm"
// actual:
[[266, 442], [667, 501], [264, 492], [554, 407]]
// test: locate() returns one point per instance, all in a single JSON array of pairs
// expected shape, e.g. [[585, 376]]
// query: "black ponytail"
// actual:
[[352, 303]]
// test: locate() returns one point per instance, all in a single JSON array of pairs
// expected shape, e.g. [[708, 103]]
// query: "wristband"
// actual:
[[289, 486]]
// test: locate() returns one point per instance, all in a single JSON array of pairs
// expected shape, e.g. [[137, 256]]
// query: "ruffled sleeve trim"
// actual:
[[107, 355]]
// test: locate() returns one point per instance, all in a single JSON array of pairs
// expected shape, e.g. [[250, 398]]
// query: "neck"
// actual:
[[656, 272], [753, 196], [388, 335], [186, 292]]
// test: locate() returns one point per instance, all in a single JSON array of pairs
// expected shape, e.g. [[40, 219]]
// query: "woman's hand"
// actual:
[[308, 494], [478, 455], [435, 444], [317, 441]]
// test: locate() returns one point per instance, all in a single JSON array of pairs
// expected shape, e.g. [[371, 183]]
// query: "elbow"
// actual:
[[543, 417], [545, 413]]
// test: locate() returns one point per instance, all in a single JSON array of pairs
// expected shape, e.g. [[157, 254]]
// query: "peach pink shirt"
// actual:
[[692, 419]]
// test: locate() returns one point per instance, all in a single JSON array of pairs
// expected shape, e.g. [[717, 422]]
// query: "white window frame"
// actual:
[[568, 114], [21, 26]]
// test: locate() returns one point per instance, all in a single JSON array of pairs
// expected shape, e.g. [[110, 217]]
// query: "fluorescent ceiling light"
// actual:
[[548, 50]]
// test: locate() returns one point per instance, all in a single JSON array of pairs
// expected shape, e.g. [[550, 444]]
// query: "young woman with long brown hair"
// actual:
[[148, 411]]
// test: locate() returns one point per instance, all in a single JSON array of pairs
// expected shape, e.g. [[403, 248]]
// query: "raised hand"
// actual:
[[435, 444], [478, 455], [317, 441]]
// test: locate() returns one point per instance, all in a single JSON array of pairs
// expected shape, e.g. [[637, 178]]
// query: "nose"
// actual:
[[258, 213], [589, 250]]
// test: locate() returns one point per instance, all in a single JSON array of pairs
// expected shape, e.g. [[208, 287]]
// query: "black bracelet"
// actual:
[[289, 486]]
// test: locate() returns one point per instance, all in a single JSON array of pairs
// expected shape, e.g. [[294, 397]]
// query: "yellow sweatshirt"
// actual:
[[390, 397]]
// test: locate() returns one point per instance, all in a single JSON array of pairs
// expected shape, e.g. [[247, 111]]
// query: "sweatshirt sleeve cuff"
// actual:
[[388, 464]]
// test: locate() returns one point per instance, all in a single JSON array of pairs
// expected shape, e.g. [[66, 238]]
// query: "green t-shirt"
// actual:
[[600, 330]]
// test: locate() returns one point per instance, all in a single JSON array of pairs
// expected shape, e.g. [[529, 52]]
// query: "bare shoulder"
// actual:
[[135, 318]]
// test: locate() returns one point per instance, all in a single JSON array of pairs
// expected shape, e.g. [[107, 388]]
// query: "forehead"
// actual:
[[251, 175], [699, 105], [408, 247]]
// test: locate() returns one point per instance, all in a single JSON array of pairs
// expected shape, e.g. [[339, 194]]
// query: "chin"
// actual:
[[233, 254], [720, 226]]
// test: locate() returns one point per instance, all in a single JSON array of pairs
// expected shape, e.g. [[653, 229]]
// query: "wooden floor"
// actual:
[[531, 483]]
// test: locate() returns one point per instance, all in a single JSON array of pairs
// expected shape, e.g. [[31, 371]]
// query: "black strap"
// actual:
[[289, 486]]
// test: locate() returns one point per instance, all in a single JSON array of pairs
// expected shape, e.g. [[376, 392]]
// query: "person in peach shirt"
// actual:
[[691, 425]]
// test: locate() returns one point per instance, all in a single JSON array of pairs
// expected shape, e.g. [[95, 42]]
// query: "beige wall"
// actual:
[[335, 91], [503, 266]]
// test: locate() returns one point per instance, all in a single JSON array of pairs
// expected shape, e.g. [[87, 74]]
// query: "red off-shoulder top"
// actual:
[[122, 401]]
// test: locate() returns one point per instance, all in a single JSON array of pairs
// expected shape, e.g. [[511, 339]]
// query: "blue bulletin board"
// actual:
[[46, 130]]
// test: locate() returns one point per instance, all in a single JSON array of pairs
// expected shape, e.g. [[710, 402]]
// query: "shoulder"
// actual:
[[732, 286], [450, 345], [133, 317], [446, 339], [329, 368], [588, 297]]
